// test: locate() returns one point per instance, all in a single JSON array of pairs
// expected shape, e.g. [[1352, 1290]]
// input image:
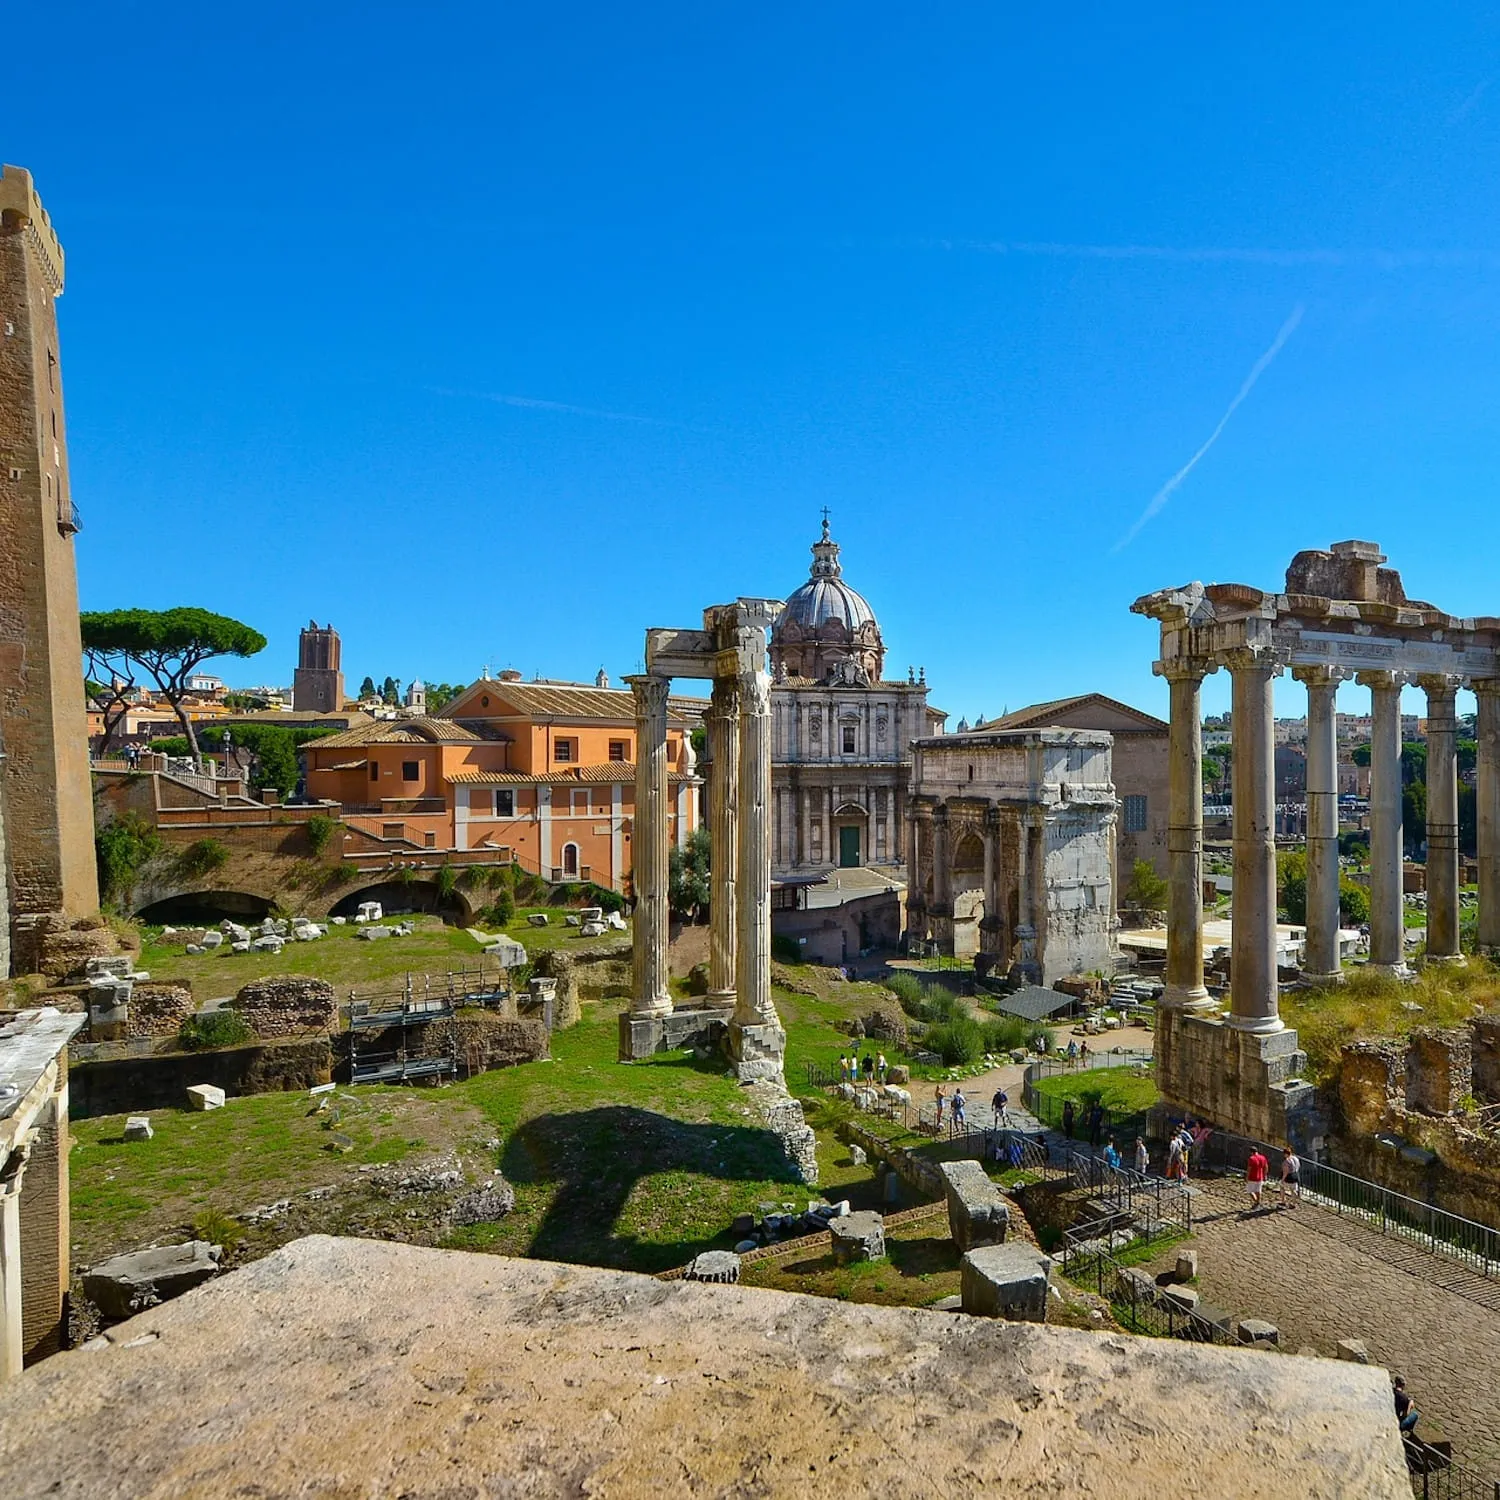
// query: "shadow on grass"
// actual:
[[598, 1158]]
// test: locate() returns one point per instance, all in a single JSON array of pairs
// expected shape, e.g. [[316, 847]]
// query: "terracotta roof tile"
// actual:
[[416, 731], [557, 700]]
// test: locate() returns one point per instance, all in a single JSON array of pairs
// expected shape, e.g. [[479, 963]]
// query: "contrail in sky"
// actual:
[[535, 403], [1160, 498]]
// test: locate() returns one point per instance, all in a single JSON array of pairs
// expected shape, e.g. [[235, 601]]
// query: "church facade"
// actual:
[[842, 734]]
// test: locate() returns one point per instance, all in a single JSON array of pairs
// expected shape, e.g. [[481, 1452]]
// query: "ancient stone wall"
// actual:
[[1485, 1059], [158, 1009], [288, 1005], [1371, 1079], [554, 963], [1439, 1074], [485, 1041]]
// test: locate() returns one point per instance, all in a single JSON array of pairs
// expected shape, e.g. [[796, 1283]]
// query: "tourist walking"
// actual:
[[960, 1110], [1406, 1412], [1255, 1176], [1291, 1175], [881, 1067], [1142, 1156], [1096, 1124], [940, 1098], [843, 1068], [1070, 1117], [1175, 1166], [869, 1067], [1112, 1156], [1001, 1106]]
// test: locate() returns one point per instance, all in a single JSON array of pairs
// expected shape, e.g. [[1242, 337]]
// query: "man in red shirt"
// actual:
[[1255, 1176]]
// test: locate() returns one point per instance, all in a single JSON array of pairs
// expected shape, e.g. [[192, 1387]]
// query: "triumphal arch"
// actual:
[[730, 650], [1342, 616]]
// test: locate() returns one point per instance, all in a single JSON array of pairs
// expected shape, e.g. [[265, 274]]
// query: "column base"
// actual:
[[720, 998], [1402, 970], [660, 1006], [1334, 976], [1188, 997], [1446, 960], [1255, 1025], [756, 1051]]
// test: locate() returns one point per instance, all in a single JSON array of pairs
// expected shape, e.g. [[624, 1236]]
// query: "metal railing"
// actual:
[[1137, 1304], [1476, 1246], [1435, 1476]]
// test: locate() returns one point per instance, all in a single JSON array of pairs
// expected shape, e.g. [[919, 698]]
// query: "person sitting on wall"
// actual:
[[1406, 1412]]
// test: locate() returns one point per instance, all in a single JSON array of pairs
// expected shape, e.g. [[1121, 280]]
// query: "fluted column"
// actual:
[[1253, 994], [753, 1004], [1185, 989], [724, 747], [1387, 925], [942, 861], [652, 995], [1320, 961], [1442, 818], [1487, 810]]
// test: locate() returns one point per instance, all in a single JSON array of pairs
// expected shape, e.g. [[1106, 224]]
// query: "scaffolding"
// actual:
[[405, 1010]]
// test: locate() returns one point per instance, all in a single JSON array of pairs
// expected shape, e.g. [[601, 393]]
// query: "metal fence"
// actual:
[[1434, 1475], [1476, 1246], [1137, 1303]]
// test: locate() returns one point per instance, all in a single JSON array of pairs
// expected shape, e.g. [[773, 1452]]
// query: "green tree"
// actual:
[[169, 645], [441, 694], [687, 875], [367, 688], [1291, 884], [1147, 891], [390, 690], [121, 847], [1354, 902]]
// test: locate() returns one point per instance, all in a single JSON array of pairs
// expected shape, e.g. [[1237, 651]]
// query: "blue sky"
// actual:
[[496, 334]]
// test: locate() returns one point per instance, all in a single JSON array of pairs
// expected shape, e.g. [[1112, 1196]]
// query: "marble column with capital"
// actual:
[[1185, 989], [1442, 818], [1387, 920], [1487, 810], [651, 995], [1253, 994], [724, 748], [1320, 961]]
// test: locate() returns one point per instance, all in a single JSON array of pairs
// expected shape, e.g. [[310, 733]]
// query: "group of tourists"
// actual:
[[957, 1107], [1093, 1120], [1258, 1168], [872, 1067]]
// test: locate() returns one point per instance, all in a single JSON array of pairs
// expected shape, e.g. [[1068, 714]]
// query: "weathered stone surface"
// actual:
[[1135, 1287], [205, 1096], [1006, 1281], [1352, 1350], [158, 1009], [1184, 1298], [714, 1265], [554, 963], [288, 1005], [855, 1237], [138, 1128], [489, 1201], [128, 1284], [1256, 1331], [977, 1211], [267, 1350], [1186, 1268]]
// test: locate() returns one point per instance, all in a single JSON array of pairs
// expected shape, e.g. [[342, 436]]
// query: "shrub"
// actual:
[[958, 1042], [215, 1028], [925, 1002], [447, 879], [604, 898], [218, 1228], [319, 830], [202, 858], [121, 848], [501, 912], [528, 889], [785, 950], [1005, 1033]]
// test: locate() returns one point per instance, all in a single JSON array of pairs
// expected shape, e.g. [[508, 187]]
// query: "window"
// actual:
[[430, 840], [411, 770], [619, 749], [393, 830], [1135, 814], [374, 771], [578, 802], [848, 739], [505, 802], [562, 750]]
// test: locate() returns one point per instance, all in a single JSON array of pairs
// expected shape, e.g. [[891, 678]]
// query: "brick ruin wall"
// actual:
[[290, 1005], [158, 1009]]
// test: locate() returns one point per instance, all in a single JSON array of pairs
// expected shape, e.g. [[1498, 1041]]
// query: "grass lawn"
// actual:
[[1121, 1090], [637, 1165], [344, 961]]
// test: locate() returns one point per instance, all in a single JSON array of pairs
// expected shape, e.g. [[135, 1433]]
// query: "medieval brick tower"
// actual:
[[318, 684], [48, 802]]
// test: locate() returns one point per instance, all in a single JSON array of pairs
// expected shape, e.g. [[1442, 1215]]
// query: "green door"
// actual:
[[849, 848]]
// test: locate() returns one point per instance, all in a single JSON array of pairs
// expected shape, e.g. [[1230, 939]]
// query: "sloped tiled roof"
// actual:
[[415, 731], [1048, 714], [611, 771], [565, 701]]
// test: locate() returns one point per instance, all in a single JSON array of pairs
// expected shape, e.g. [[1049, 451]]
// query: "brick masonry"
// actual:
[[47, 804]]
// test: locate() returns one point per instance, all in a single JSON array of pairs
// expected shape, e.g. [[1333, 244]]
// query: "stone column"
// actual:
[[1442, 818], [724, 747], [757, 1043], [1487, 809], [1185, 989], [12, 1346], [1387, 927], [652, 995], [1253, 995], [992, 915], [1320, 961]]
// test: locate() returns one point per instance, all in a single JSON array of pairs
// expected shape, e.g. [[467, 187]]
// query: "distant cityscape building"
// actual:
[[318, 683]]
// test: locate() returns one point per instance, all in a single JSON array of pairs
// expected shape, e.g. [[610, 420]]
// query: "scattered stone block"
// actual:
[[714, 1265], [1006, 1281], [537, 919], [1257, 1331], [590, 913], [138, 1128], [856, 1237], [947, 1304], [127, 1284], [977, 1211], [744, 1224], [1135, 1287], [898, 1073], [615, 921], [321, 1088], [1352, 1350], [205, 1096], [857, 1155], [369, 911], [194, 949], [212, 940], [1183, 1298], [341, 1143], [1186, 1268], [369, 934], [592, 930], [268, 944], [744, 1247], [571, 921], [338, 921]]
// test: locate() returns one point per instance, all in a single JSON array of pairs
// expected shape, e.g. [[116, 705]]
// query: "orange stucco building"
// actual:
[[541, 771]]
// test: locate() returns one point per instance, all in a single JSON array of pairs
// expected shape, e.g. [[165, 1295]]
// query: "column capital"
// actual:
[[1185, 668], [1485, 687], [754, 691], [724, 700], [1320, 676], [651, 692], [1380, 679], [1253, 659], [1438, 684], [13, 1170]]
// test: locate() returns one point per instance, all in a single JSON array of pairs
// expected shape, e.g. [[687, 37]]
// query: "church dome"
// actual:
[[826, 623]]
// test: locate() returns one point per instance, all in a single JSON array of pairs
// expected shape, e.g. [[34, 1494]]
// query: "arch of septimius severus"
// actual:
[[1342, 616]]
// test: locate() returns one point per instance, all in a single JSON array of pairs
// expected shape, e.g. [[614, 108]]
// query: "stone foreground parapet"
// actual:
[[480, 1369]]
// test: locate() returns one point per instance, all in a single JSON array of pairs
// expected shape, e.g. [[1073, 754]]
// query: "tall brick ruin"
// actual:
[[45, 796]]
